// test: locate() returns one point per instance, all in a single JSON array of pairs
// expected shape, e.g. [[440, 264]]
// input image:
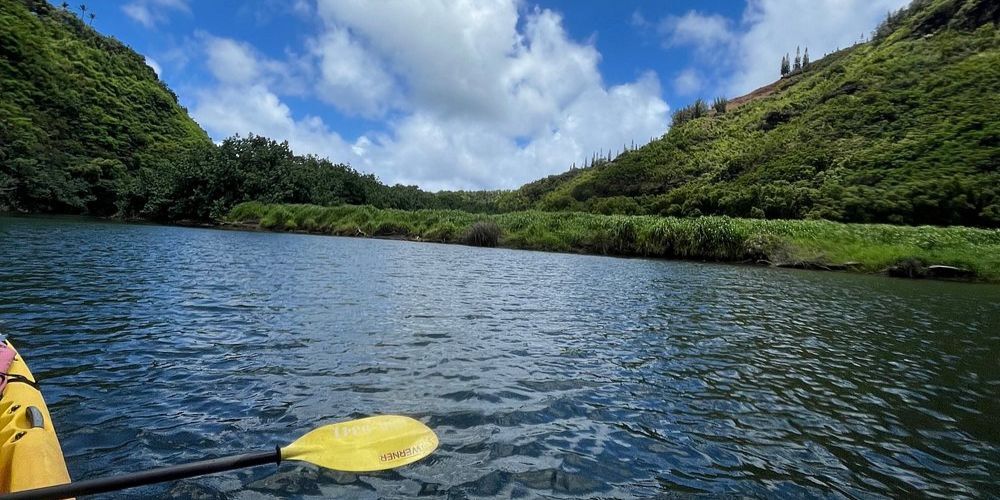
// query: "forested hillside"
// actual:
[[82, 115], [903, 129], [87, 127]]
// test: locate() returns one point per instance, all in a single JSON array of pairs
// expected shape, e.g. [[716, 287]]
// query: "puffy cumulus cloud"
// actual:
[[236, 63], [438, 153], [473, 94], [350, 78], [244, 99], [231, 61], [494, 97], [750, 52], [448, 52], [151, 12], [776, 27], [227, 110]]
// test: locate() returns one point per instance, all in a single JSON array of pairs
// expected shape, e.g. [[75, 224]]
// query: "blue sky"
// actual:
[[456, 94]]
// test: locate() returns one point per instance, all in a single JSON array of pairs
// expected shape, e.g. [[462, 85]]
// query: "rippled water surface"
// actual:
[[543, 374]]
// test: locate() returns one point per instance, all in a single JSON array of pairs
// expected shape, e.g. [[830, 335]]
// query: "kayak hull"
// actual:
[[30, 455]]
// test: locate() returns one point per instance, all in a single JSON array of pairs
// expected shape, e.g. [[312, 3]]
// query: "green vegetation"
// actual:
[[205, 183], [87, 127], [696, 110], [719, 105], [902, 130], [812, 244], [484, 233], [82, 115]]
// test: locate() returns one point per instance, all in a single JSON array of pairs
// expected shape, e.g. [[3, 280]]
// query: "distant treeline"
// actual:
[[206, 183], [207, 180]]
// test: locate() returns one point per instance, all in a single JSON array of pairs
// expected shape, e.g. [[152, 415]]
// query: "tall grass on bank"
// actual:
[[809, 243]]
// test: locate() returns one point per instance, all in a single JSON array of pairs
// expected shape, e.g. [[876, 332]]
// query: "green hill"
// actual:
[[903, 129], [82, 115], [87, 127]]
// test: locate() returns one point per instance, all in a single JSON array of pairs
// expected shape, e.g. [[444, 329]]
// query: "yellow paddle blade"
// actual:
[[368, 444]]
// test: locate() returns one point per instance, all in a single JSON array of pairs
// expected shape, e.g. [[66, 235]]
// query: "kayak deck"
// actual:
[[30, 455]]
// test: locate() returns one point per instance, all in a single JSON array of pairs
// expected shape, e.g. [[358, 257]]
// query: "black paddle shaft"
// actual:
[[103, 485]]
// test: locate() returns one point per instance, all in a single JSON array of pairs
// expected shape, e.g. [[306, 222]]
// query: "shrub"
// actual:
[[696, 110], [276, 217], [484, 233], [896, 250], [720, 104]]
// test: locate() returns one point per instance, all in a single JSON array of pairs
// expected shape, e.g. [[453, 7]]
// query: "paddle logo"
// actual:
[[404, 453], [363, 429], [348, 431]]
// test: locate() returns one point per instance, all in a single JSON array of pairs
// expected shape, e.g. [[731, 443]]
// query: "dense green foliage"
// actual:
[[873, 247], [904, 129], [87, 127], [82, 115], [207, 182]]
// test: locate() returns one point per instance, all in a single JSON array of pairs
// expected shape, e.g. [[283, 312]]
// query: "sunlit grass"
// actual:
[[872, 247]]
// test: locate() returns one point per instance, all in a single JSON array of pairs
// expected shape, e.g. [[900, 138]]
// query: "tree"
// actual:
[[92, 16], [720, 104], [65, 6], [785, 69], [699, 108], [805, 58], [798, 60], [83, 9]]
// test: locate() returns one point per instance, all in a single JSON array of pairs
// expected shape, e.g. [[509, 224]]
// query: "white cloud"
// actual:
[[703, 31], [231, 61], [153, 64], [350, 78], [748, 55], [450, 53], [479, 95], [151, 12], [440, 153], [244, 109], [688, 82], [776, 27]]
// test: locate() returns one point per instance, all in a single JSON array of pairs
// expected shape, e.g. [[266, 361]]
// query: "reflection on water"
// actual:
[[543, 374]]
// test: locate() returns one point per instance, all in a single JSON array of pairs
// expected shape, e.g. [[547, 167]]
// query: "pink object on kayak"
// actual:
[[6, 358]]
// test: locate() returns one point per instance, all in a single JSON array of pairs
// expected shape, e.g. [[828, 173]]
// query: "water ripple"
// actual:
[[543, 375]]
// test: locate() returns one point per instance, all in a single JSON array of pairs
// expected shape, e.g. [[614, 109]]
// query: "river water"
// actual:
[[544, 375]]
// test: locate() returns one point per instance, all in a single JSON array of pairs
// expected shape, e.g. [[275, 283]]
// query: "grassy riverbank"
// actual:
[[871, 248]]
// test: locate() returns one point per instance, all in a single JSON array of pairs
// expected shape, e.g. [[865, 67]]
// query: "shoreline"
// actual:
[[713, 239], [787, 256], [848, 267]]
